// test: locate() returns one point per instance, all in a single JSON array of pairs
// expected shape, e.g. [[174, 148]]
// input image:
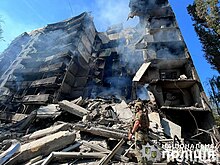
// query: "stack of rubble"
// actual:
[[68, 92], [95, 131]]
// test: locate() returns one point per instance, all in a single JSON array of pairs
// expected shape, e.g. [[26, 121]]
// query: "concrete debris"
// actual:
[[78, 101], [68, 92], [171, 129], [6, 116], [43, 146], [99, 148], [123, 112], [49, 111], [94, 139], [102, 131], [73, 108], [13, 149], [141, 71], [47, 131], [106, 159], [72, 155]]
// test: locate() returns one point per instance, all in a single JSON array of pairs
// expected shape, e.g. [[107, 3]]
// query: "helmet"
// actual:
[[138, 105]]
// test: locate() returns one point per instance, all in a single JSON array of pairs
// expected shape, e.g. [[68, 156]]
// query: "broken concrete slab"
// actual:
[[12, 117], [47, 131], [28, 120], [141, 71], [123, 111], [43, 146], [73, 108], [78, 155], [49, 111], [171, 129], [99, 148], [102, 131], [13, 149]]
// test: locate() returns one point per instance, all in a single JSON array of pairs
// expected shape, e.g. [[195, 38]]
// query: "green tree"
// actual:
[[206, 17], [215, 92], [206, 21]]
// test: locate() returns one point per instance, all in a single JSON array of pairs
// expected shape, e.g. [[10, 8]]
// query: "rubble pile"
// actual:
[[67, 91], [93, 130]]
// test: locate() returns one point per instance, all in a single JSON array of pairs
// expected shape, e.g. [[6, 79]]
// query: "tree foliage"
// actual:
[[215, 92], [206, 17]]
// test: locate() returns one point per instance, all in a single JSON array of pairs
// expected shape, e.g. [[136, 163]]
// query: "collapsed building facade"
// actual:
[[69, 59]]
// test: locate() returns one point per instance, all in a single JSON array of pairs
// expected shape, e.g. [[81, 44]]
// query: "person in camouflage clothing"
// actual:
[[140, 131]]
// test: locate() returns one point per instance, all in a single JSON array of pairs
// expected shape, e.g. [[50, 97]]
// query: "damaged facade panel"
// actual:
[[70, 84], [50, 65], [171, 75], [11, 53]]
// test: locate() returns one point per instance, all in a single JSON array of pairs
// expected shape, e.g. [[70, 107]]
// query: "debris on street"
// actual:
[[68, 93]]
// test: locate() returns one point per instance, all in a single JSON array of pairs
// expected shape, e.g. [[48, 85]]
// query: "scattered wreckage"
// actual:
[[67, 93], [84, 131]]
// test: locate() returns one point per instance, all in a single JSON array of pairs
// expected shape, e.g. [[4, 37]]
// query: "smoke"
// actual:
[[164, 53], [142, 92], [112, 12], [118, 82], [131, 58], [46, 43], [167, 35]]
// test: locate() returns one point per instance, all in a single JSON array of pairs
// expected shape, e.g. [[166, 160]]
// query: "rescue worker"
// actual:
[[140, 131]]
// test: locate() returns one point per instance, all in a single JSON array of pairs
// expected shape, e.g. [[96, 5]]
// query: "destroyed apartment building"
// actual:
[[68, 91]]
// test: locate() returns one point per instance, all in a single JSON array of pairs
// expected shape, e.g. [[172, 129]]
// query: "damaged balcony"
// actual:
[[140, 8], [81, 46], [33, 73], [163, 50], [164, 22], [178, 94], [41, 99], [160, 12], [37, 62], [164, 34], [70, 92]]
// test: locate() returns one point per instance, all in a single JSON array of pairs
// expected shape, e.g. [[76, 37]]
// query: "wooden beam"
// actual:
[[66, 155], [102, 149], [106, 159]]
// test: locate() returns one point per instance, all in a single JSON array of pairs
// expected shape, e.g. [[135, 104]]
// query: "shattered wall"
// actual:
[[52, 65], [170, 73], [71, 89], [69, 59]]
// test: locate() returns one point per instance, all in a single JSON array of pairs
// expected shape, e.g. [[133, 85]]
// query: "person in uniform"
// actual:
[[140, 131]]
